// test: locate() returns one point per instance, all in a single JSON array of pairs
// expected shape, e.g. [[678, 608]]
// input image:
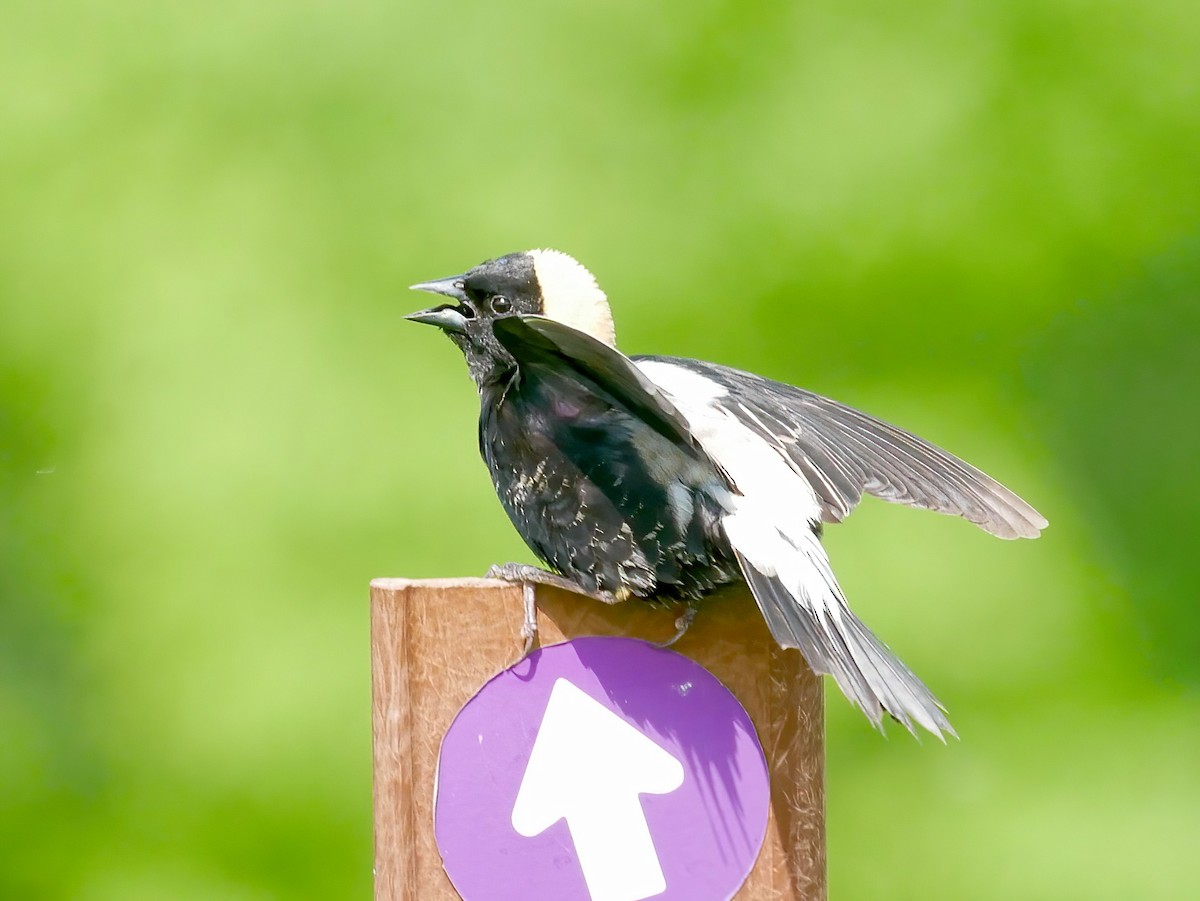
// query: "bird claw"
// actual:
[[528, 578], [531, 576], [682, 624], [527, 574], [504, 572], [529, 626]]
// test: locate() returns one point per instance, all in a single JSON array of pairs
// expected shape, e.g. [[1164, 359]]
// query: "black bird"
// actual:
[[665, 478]]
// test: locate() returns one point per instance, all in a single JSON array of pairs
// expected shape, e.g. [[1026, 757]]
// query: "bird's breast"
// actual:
[[598, 494]]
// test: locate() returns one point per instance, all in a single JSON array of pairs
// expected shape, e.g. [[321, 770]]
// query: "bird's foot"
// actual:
[[529, 577], [682, 624], [529, 626], [523, 572]]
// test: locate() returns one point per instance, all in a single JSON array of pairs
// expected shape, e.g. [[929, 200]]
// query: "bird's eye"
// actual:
[[501, 304]]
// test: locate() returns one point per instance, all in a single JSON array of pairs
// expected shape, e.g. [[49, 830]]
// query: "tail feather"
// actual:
[[804, 608]]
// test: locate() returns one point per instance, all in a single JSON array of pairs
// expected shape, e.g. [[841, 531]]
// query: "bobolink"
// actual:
[[665, 478]]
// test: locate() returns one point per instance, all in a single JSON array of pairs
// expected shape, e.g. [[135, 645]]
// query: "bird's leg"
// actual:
[[682, 624], [530, 576]]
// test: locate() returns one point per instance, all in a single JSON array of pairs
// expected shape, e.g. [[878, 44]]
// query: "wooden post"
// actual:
[[435, 642]]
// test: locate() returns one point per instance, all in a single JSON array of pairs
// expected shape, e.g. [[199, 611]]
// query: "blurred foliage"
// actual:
[[981, 221]]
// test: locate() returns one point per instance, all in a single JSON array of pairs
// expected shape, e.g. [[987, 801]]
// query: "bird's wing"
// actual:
[[533, 338], [842, 452], [770, 521]]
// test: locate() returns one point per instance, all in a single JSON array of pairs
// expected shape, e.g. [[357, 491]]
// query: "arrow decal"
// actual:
[[589, 767]]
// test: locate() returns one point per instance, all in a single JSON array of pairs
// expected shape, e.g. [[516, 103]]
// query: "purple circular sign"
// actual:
[[602, 769]]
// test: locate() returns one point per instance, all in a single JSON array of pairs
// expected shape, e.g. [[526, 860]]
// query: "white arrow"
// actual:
[[589, 766]]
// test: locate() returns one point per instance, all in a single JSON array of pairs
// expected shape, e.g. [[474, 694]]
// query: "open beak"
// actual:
[[447, 317]]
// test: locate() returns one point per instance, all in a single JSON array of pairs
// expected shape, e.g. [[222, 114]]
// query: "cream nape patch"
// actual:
[[571, 296]]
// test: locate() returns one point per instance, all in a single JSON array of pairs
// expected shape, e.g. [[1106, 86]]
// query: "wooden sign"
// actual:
[[437, 643]]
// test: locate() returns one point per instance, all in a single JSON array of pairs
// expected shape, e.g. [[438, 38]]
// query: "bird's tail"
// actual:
[[790, 577]]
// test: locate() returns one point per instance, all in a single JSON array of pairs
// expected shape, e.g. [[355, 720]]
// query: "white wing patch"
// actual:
[[761, 474]]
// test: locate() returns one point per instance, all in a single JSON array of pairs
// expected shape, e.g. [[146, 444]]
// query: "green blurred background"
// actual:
[[981, 221]]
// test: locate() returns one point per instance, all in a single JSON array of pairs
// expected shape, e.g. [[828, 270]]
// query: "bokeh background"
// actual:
[[978, 220]]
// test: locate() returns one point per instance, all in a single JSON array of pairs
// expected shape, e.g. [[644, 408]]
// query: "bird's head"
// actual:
[[531, 283]]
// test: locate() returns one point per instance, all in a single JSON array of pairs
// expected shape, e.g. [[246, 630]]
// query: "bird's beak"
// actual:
[[447, 316]]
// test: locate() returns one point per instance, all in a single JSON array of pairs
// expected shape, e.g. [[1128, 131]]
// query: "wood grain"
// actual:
[[435, 642]]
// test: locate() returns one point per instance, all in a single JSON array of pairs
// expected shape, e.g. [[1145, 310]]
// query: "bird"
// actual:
[[663, 478]]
